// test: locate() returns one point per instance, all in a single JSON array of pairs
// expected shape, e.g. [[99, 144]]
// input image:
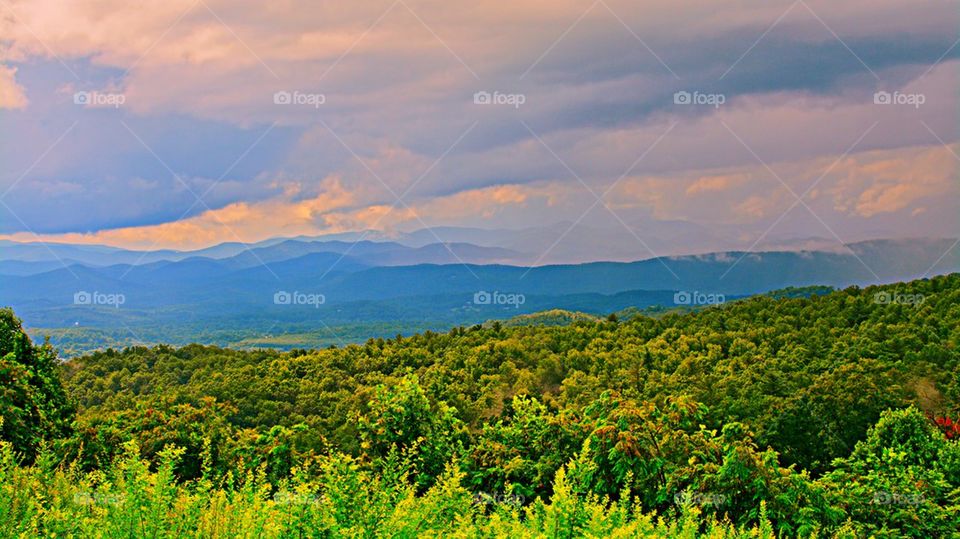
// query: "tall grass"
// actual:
[[336, 497]]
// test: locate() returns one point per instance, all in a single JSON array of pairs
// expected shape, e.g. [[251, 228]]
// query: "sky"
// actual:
[[183, 124]]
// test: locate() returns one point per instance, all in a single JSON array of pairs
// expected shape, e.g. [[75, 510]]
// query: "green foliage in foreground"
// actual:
[[338, 496], [340, 500]]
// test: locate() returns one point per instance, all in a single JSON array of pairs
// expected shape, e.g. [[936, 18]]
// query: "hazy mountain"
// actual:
[[569, 243], [34, 258], [552, 244], [369, 271], [383, 288]]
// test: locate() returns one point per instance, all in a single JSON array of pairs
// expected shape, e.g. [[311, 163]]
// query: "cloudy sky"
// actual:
[[185, 123]]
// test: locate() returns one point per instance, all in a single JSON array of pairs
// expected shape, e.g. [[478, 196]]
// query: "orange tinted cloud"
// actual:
[[884, 182], [240, 221], [12, 95], [483, 202], [709, 184], [325, 213], [860, 185]]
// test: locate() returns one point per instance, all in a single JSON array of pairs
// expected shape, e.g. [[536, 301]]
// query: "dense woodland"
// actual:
[[778, 415]]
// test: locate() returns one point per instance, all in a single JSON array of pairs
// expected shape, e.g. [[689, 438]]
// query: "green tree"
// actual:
[[33, 403], [902, 481], [520, 454], [402, 422]]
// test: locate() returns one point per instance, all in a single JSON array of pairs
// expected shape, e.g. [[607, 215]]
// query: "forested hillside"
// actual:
[[832, 415]]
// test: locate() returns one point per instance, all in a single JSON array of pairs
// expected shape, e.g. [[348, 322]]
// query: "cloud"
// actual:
[[398, 81], [708, 184], [860, 185], [240, 221], [879, 183], [224, 59], [12, 95], [330, 211]]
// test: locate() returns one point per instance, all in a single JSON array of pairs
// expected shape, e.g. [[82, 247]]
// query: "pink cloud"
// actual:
[[12, 95]]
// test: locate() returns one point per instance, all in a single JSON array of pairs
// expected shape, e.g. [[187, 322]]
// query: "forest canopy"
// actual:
[[833, 414]]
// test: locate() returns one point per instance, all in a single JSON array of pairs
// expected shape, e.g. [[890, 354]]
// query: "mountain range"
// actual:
[[361, 285]]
